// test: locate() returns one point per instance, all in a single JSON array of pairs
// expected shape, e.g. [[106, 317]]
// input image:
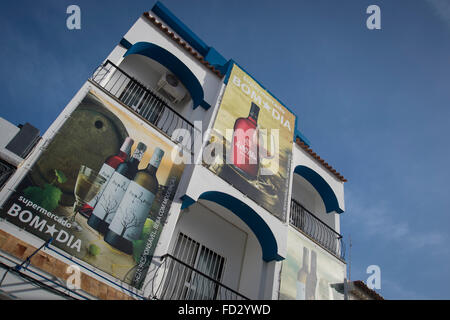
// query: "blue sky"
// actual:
[[374, 104]]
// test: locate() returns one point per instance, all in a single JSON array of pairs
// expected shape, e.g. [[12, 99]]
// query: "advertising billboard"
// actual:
[[101, 189], [252, 143], [309, 272]]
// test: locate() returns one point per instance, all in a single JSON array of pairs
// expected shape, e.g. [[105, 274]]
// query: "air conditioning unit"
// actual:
[[172, 87]]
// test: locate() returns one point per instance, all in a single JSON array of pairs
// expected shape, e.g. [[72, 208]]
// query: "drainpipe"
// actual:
[[346, 289]]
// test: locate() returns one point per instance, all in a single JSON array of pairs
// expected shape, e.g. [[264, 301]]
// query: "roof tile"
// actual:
[[320, 160]]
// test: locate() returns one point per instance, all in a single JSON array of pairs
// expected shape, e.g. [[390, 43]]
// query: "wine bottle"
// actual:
[[111, 197], [311, 281], [107, 170], [245, 144], [302, 276], [135, 207]]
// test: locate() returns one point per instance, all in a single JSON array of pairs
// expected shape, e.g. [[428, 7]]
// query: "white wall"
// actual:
[[223, 232], [143, 69], [304, 193], [216, 234], [204, 180], [145, 31], [148, 72], [301, 157]]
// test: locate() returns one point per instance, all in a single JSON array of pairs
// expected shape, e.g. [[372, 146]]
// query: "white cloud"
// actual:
[[382, 222], [442, 9]]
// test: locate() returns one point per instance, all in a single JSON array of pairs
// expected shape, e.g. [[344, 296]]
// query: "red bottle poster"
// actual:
[[253, 133]]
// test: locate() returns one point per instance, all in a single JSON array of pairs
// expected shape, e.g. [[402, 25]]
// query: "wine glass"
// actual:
[[89, 183]]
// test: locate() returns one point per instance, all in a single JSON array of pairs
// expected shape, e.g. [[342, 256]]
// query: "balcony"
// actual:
[[145, 102], [176, 280], [316, 230]]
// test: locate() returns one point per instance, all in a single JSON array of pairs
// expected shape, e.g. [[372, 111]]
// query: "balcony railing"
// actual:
[[146, 103], [317, 230], [176, 280]]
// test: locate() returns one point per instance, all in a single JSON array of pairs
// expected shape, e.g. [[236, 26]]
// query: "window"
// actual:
[[197, 282]]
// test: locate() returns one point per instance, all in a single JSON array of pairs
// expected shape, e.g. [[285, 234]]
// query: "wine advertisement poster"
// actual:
[[101, 189], [255, 134], [309, 272]]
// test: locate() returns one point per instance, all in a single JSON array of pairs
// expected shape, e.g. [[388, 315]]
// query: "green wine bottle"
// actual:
[[107, 205], [135, 207]]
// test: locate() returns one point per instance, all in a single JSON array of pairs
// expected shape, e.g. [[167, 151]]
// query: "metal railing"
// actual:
[[176, 280], [28, 283], [146, 103], [316, 229]]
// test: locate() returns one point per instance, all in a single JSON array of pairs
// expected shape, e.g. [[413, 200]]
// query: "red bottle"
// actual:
[[107, 171], [122, 156], [245, 144]]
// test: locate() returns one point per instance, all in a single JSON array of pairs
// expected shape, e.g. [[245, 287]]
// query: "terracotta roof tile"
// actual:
[[360, 284], [182, 43], [320, 160]]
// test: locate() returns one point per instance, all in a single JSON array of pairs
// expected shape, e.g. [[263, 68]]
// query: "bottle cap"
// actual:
[[254, 111], [126, 146], [158, 154], [139, 151]]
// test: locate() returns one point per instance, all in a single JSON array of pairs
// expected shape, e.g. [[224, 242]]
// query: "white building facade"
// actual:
[[210, 239]]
